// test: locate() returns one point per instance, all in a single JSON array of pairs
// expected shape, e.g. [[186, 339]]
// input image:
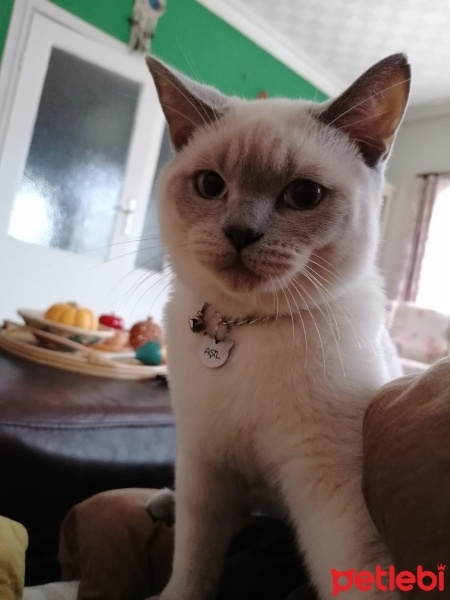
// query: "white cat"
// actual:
[[270, 213]]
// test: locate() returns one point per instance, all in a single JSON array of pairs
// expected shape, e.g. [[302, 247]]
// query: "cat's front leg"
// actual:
[[208, 510], [338, 538]]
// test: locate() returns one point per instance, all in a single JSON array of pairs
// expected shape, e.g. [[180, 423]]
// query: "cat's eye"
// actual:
[[303, 194], [211, 185]]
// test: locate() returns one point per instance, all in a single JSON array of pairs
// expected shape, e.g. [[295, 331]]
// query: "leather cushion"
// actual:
[[66, 436], [407, 466]]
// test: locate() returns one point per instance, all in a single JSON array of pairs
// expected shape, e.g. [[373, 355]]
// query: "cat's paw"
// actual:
[[161, 507]]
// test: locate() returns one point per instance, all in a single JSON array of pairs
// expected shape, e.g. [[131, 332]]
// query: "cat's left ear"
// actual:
[[371, 109], [187, 105]]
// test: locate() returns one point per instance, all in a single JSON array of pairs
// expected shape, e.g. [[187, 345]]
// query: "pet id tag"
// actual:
[[214, 354]]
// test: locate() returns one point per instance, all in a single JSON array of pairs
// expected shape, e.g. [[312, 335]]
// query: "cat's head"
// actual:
[[276, 201]]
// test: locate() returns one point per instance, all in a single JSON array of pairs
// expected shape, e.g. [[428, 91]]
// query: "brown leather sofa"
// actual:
[[66, 436]]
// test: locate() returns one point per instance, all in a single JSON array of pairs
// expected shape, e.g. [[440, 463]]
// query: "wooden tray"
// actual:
[[21, 342]]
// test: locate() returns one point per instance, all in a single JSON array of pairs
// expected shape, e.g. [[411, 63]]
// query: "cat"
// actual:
[[270, 212]]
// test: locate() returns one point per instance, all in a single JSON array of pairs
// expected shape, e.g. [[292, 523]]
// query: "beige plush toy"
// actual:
[[13, 544]]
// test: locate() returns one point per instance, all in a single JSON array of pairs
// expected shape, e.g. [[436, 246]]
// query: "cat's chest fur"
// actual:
[[276, 389]]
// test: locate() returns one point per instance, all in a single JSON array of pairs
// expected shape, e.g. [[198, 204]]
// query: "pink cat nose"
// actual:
[[241, 237]]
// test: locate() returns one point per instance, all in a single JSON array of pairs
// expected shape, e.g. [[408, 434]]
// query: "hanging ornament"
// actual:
[[143, 23]]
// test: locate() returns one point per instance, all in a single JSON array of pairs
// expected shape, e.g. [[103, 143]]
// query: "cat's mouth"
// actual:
[[249, 275], [243, 272], [240, 278]]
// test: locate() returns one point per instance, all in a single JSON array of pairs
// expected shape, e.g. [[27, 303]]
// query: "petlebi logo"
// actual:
[[388, 580]]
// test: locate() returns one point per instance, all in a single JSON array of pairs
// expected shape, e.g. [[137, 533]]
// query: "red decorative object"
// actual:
[[145, 331], [112, 321]]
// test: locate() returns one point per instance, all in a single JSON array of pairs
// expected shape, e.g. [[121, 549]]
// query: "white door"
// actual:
[[77, 162]]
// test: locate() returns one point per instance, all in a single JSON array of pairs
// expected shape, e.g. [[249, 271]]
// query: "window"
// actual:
[[434, 279], [74, 173]]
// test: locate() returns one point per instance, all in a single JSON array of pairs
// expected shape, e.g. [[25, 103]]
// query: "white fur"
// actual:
[[284, 414], [299, 433]]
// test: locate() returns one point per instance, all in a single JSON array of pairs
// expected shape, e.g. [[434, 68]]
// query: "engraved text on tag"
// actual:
[[214, 354]]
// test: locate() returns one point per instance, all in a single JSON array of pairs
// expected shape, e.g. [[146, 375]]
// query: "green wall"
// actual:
[[96, 12], [200, 44], [197, 42], [5, 15]]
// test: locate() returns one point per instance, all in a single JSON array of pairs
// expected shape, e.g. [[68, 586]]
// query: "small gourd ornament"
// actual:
[[151, 353], [147, 339], [145, 331]]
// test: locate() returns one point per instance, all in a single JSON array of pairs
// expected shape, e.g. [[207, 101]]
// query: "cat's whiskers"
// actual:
[[123, 300], [147, 276], [327, 319], [298, 287], [326, 303], [152, 287], [90, 249], [323, 314], [289, 308], [275, 295], [303, 325], [137, 267], [114, 258], [128, 295], [335, 273], [154, 237], [359, 337], [298, 284], [163, 290]]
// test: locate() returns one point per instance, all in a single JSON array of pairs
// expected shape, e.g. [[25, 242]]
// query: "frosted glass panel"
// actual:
[[150, 255], [73, 178]]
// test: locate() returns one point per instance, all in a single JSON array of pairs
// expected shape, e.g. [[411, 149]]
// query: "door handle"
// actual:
[[128, 210]]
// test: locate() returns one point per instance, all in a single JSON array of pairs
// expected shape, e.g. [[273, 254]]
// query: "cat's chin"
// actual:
[[238, 278]]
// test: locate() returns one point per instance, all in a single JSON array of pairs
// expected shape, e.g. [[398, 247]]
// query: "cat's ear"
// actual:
[[187, 105], [371, 109]]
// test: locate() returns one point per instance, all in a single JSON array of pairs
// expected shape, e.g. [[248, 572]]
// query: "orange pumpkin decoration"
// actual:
[[145, 331], [70, 313]]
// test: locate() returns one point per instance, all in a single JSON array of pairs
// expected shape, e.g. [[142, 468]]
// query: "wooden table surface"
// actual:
[[39, 393]]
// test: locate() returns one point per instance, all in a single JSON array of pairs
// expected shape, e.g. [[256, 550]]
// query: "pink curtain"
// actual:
[[422, 206]]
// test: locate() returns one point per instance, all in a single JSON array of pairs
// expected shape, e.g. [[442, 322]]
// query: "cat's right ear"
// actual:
[[371, 109], [187, 105]]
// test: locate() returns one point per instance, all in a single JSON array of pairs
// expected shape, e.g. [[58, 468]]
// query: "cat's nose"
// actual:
[[241, 236]]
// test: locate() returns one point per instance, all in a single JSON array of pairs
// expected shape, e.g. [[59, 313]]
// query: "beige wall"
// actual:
[[422, 146]]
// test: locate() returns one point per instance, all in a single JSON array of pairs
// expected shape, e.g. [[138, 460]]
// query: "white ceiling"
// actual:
[[342, 38]]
